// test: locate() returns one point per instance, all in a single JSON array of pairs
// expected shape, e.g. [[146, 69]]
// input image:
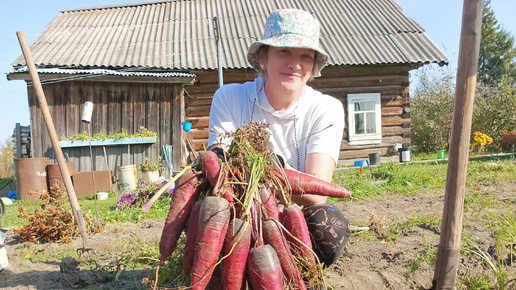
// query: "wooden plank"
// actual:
[[197, 113], [127, 111], [391, 111], [394, 130], [360, 81], [199, 122], [177, 105], [394, 101], [372, 89], [138, 105], [393, 121], [194, 102]]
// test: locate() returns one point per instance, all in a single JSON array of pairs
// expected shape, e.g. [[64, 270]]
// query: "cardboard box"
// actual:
[[83, 182]]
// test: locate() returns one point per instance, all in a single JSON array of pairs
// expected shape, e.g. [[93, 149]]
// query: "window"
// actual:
[[364, 119]]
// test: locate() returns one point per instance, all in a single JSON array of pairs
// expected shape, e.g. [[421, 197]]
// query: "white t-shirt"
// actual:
[[314, 124]]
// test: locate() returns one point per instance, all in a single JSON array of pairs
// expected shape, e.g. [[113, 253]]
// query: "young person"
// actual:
[[306, 126]]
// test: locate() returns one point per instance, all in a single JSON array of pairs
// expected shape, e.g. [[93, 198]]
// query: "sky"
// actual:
[[441, 19]]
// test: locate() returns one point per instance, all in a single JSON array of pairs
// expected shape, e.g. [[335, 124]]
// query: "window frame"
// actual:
[[368, 138]]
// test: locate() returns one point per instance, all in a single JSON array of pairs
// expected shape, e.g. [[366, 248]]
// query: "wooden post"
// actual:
[[18, 141], [448, 251], [76, 209]]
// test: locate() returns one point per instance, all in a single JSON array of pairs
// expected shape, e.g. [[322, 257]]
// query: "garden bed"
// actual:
[[398, 252]]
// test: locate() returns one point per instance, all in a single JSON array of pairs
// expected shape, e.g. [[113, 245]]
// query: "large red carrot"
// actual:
[[211, 166], [272, 235], [264, 268], [216, 279], [213, 223], [185, 194], [269, 203], [294, 222], [191, 235], [236, 245], [302, 183]]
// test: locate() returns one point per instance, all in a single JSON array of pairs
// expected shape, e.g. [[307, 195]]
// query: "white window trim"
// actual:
[[364, 139]]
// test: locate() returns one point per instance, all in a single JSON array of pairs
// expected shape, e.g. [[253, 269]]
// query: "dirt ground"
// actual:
[[368, 263]]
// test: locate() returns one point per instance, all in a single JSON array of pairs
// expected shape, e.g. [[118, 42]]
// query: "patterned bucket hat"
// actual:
[[290, 28]]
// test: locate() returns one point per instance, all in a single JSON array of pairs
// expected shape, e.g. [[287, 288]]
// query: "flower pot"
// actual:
[[151, 176], [441, 154]]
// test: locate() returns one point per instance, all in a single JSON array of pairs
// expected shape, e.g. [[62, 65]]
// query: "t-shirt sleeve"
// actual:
[[221, 116], [328, 129]]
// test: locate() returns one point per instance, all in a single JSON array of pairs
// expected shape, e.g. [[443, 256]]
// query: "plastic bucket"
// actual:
[[151, 176], [441, 154], [31, 177], [374, 158], [361, 163], [102, 195], [127, 177], [405, 154], [187, 126]]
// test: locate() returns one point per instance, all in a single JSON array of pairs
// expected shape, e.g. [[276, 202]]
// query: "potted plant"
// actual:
[[151, 168]]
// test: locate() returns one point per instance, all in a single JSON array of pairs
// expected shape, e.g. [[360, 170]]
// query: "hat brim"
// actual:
[[291, 41]]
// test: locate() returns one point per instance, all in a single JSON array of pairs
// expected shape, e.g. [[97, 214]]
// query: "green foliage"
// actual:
[[152, 165], [427, 256], [431, 108], [6, 158], [100, 136], [404, 226], [494, 110], [497, 50], [477, 282]]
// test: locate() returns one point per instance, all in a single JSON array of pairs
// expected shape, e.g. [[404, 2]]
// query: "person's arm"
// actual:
[[321, 166]]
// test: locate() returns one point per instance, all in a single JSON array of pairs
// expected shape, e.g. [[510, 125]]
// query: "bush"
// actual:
[[431, 109], [494, 110]]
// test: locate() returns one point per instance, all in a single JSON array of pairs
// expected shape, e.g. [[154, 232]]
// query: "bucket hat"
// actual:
[[292, 28]]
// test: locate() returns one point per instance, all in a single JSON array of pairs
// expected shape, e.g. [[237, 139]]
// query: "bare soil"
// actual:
[[368, 262]]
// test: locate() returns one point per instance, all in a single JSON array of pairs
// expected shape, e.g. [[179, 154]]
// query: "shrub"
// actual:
[[494, 109], [152, 165], [431, 109]]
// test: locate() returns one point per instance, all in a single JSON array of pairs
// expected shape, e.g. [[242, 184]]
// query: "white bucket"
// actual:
[[4, 262], [127, 177], [152, 176], [102, 195]]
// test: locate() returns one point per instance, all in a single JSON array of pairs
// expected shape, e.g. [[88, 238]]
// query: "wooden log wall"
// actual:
[[391, 81], [117, 106]]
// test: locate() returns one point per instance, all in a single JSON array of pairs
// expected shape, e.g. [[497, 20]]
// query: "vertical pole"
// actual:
[[18, 141], [76, 208], [448, 251], [216, 27]]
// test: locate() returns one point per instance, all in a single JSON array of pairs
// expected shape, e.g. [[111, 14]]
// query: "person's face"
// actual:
[[288, 68]]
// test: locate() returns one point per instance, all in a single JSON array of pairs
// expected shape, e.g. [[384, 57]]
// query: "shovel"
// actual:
[[76, 209]]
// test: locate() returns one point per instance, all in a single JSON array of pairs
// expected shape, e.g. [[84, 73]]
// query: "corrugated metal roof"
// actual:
[[179, 35], [111, 72]]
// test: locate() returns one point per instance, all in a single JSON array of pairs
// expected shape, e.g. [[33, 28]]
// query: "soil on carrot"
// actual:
[[377, 257]]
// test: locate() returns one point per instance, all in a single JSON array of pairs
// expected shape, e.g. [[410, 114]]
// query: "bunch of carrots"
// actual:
[[241, 226]]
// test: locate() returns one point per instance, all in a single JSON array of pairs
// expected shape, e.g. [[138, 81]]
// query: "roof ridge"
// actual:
[[118, 5]]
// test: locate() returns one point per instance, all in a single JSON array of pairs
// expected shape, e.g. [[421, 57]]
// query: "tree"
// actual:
[[431, 108], [497, 50]]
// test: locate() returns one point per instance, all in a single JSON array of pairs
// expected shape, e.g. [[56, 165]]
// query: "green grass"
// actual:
[[410, 178], [106, 211]]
